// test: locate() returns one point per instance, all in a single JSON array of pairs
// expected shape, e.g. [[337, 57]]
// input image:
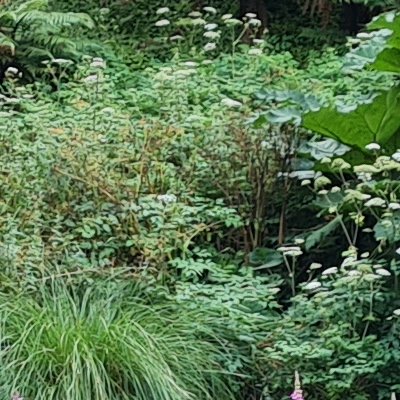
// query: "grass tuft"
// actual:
[[102, 343]]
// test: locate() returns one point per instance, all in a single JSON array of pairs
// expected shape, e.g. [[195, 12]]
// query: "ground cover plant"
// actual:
[[197, 203]]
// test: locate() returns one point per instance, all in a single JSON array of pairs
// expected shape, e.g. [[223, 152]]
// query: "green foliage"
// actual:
[[377, 121], [176, 165], [106, 342], [30, 33]]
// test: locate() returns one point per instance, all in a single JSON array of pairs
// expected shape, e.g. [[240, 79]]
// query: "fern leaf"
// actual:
[[56, 19], [32, 5], [7, 18], [7, 42]]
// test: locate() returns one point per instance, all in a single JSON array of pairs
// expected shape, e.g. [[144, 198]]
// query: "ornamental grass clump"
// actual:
[[106, 343]]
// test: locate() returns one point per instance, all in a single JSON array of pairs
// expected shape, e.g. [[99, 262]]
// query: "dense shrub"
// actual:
[[186, 169]]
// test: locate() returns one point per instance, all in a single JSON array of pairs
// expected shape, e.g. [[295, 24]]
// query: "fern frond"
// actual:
[[7, 43], [56, 19], [31, 53], [32, 5], [7, 18], [56, 44]]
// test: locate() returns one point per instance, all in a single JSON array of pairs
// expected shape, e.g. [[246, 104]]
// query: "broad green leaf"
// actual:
[[267, 258], [388, 60], [388, 229], [316, 237], [377, 122]]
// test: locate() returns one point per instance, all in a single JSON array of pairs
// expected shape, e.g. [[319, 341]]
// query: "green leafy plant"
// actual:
[[107, 342], [30, 33], [378, 121]]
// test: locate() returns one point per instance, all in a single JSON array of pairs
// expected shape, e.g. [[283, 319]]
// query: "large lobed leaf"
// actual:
[[377, 122]]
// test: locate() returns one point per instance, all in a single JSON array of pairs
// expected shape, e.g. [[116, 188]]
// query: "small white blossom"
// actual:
[[322, 181], [198, 21], [330, 271], [339, 163], [210, 10], [365, 168], [373, 147], [212, 34], [397, 312], [299, 241], [365, 255], [255, 22], [163, 10], [190, 64], [323, 192], [394, 206], [314, 266], [176, 38], [291, 251], [312, 285], [226, 16], [375, 202], [382, 272], [284, 249], [305, 182], [12, 71], [398, 251], [162, 22], [183, 73], [363, 35], [326, 160], [91, 79], [233, 21], [354, 272], [255, 52], [274, 290], [98, 64], [231, 103], [167, 198], [396, 156], [61, 61], [210, 46], [195, 14], [364, 176], [258, 41], [251, 15], [336, 189], [351, 260], [210, 27]]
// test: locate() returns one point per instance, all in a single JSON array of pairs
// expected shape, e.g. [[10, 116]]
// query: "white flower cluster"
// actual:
[[98, 62], [167, 198], [290, 251], [231, 103]]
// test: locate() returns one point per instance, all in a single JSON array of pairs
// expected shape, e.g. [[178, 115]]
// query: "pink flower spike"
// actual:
[[297, 395]]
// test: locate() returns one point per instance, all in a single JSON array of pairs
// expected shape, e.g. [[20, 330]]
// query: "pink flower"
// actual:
[[297, 395]]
